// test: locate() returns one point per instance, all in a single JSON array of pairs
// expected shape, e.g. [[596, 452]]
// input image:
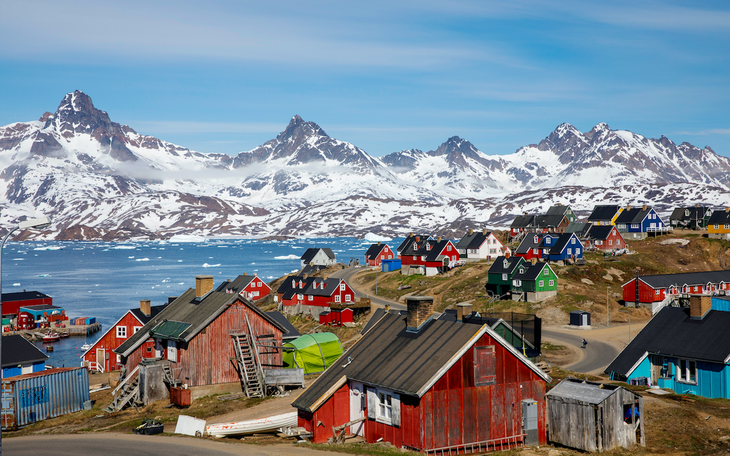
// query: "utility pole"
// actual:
[[607, 288]]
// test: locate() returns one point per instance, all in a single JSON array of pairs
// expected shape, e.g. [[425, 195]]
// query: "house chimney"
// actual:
[[471, 231], [643, 207], [420, 312], [438, 239], [463, 311], [628, 208], [305, 276], [484, 231], [325, 277], [386, 308], [255, 274], [145, 307], [378, 242], [699, 306], [229, 280], [533, 261], [418, 238], [203, 284], [244, 274], [727, 209]]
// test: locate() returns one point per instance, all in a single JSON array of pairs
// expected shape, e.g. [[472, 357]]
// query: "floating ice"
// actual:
[[50, 247], [206, 265], [286, 257], [124, 247], [186, 238], [142, 259], [375, 237], [16, 284]]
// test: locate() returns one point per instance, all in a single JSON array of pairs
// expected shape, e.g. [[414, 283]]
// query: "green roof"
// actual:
[[170, 330]]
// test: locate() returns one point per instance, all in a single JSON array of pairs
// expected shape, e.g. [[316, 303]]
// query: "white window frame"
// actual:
[[342, 287], [505, 277], [121, 332], [310, 297], [348, 298], [136, 328], [570, 251], [686, 369], [551, 283], [337, 298], [541, 283], [300, 297]]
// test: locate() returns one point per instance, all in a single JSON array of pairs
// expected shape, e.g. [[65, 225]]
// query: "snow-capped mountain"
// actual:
[[98, 179]]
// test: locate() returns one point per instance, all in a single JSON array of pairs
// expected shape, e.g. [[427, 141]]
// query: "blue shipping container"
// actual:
[[721, 303], [35, 397], [91, 320], [391, 265]]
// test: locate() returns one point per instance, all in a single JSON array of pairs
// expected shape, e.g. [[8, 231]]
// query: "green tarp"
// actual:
[[312, 352]]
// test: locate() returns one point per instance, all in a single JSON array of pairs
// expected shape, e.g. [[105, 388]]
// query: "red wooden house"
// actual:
[[100, 356], [428, 256], [377, 253], [429, 385], [312, 295], [605, 237], [655, 291], [250, 287], [194, 333]]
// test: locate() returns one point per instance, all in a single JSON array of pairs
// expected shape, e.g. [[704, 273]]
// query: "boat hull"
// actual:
[[261, 425]]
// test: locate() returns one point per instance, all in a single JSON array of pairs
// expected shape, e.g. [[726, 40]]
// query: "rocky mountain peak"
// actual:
[[299, 129], [598, 132], [565, 140]]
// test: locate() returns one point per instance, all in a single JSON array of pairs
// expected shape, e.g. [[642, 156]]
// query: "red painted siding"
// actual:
[[110, 341], [385, 254], [647, 294], [256, 286], [13, 307], [322, 301], [206, 358], [454, 411]]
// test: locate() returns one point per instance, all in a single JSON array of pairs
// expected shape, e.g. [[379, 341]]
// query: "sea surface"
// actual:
[[104, 279]]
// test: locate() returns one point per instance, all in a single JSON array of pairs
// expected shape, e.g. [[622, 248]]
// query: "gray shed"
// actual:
[[593, 416]]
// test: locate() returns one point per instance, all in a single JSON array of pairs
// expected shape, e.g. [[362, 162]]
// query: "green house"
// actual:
[[562, 210], [499, 276], [534, 282]]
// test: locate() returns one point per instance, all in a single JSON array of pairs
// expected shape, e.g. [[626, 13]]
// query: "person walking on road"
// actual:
[[585, 342]]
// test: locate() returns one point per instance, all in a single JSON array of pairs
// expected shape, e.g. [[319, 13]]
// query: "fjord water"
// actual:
[[104, 279]]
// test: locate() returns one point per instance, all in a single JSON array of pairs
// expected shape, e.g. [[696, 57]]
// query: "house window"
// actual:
[[717, 227], [621, 226], [310, 297], [137, 328], [492, 250], [572, 241], [348, 298], [337, 298], [541, 283], [570, 251], [448, 248], [121, 332], [342, 286], [546, 272], [384, 406], [634, 226], [300, 296], [535, 251], [610, 242], [517, 283], [484, 366], [551, 283], [599, 242], [504, 276], [687, 371], [415, 257], [727, 226], [577, 251]]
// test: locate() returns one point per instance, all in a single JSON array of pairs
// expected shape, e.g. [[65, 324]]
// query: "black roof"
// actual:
[[558, 210], [689, 213], [603, 212], [633, 215], [377, 315], [388, 356], [473, 240], [685, 278], [18, 350], [437, 250], [409, 239], [500, 267], [718, 217], [190, 313], [310, 286], [601, 232], [528, 242], [562, 242], [38, 307], [290, 332], [548, 221], [579, 228], [374, 250], [154, 310], [673, 333], [473, 318], [23, 296], [312, 251], [236, 285], [523, 221], [532, 271]]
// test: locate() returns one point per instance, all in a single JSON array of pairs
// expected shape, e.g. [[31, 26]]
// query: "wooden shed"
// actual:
[[593, 416]]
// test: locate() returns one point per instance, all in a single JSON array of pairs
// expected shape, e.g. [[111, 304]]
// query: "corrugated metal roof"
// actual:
[[586, 392], [685, 278]]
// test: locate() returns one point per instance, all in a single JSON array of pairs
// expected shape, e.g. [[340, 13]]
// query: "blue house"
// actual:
[[567, 246], [686, 350], [635, 223], [20, 356]]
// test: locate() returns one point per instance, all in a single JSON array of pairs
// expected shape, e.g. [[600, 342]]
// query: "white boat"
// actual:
[[86, 347], [261, 425]]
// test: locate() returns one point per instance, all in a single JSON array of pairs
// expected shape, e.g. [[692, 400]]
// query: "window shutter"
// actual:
[[395, 415], [372, 403]]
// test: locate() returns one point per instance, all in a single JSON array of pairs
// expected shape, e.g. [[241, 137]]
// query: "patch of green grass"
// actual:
[[547, 346]]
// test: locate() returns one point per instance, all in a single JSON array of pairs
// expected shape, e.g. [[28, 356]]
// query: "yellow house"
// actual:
[[719, 225]]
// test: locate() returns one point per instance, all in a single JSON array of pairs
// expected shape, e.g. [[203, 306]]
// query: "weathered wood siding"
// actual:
[[206, 360], [109, 341]]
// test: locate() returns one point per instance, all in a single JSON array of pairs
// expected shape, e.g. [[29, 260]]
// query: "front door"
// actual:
[[100, 361], [357, 407]]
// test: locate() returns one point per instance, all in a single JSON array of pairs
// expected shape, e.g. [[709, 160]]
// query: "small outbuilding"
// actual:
[[312, 352], [580, 318], [593, 416]]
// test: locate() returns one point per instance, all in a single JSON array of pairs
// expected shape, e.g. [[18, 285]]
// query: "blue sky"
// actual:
[[226, 76]]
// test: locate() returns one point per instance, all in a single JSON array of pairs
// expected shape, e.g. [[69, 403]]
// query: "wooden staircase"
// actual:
[[169, 376], [126, 393], [248, 363]]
